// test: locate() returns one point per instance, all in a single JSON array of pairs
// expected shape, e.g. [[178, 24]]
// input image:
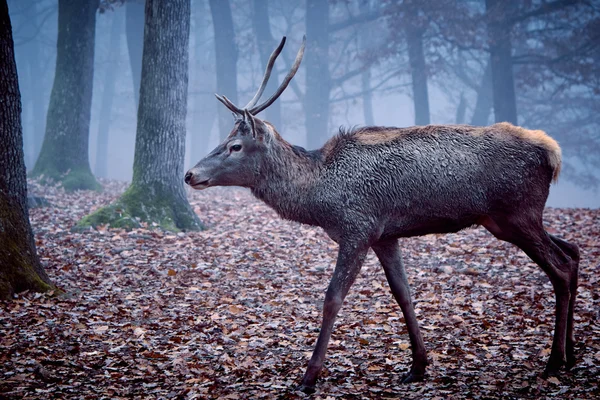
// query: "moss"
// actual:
[[17, 268], [74, 179], [158, 207]]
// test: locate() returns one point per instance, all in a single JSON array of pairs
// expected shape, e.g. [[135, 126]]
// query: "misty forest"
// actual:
[[335, 142]]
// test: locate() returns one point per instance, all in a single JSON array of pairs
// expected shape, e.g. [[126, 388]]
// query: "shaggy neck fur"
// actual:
[[286, 178]]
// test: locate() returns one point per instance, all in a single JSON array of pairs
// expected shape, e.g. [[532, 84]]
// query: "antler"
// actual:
[[285, 82], [263, 84], [250, 106]]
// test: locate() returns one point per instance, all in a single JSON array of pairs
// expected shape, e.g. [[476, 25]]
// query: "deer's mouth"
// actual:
[[201, 185]]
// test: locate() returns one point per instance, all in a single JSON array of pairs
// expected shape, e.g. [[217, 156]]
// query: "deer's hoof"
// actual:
[[553, 367], [308, 389], [412, 377]]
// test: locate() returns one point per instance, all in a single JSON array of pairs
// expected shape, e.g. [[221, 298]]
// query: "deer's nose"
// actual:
[[188, 177]]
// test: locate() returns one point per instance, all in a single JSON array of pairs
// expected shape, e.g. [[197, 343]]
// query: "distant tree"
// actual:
[[20, 267], [262, 29], [156, 194], [414, 29], [318, 79], [204, 111], [500, 47], [134, 29], [64, 154], [108, 93], [226, 59], [26, 19]]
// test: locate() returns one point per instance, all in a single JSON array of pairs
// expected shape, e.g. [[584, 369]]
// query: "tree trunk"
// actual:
[[226, 60], [505, 103], [38, 100], [108, 94], [156, 195], [365, 39], [266, 44], [418, 70], [483, 104], [318, 80], [367, 97], [64, 154], [204, 102], [29, 69], [134, 30], [20, 267]]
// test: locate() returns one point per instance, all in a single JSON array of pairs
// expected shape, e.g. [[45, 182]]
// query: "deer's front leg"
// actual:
[[389, 255], [350, 259]]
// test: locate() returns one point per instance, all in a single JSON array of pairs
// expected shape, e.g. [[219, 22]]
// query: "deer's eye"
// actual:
[[235, 147]]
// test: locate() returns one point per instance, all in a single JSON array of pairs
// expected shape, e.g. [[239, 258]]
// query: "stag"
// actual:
[[369, 186]]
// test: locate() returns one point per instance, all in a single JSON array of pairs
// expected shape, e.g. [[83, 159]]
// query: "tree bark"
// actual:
[[64, 154], [418, 70], [483, 104], [156, 194], [266, 44], [134, 31], [318, 79], [505, 103], [226, 60], [108, 94], [20, 267]]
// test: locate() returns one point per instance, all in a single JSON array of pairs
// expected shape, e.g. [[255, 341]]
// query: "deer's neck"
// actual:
[[286, 182]]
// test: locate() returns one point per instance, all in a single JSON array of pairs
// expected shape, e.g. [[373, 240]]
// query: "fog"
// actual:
[[370, 74]]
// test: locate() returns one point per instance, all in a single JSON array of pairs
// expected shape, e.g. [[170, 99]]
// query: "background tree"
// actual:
[[64, 153], [156, 194], [266, 44], [318, 80], [20, 267], [108, 93], [226, 59], [134, 28]]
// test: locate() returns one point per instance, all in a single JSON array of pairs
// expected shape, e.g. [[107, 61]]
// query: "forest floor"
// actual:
[[233, 312]]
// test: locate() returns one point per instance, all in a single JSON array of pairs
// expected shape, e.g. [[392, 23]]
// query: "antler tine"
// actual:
[[229, 104], [285, 82], [267, 75]]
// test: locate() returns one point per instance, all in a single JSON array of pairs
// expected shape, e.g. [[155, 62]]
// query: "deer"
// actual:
[[368, 187]]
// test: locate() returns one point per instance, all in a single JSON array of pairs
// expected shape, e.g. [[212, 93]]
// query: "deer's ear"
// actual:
[[259, 129]]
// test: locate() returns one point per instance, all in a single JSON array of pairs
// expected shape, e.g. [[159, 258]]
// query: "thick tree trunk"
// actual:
[[226, 60], [318, 80], [134, 30], [108, 94], [505, 103], [266, 44], [64, 154], [20, 267], [483, 104], [418, 71], [156, 194]]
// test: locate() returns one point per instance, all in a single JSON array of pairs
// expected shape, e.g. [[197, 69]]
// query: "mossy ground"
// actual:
[[73, 179], [157, 207]]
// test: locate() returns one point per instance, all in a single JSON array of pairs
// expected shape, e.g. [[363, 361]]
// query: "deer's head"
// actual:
[[235, 162]]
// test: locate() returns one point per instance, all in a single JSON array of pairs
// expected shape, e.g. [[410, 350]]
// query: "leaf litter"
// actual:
[[233, 312]]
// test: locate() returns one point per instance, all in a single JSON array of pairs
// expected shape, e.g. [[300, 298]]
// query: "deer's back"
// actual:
[[433, 178]]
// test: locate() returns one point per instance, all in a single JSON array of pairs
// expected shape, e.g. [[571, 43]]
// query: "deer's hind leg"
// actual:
[[559, 261], [389, 255], [573, 252]]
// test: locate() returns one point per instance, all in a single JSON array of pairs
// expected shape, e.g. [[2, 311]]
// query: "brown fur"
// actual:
[[371, 136], [538, 138]]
